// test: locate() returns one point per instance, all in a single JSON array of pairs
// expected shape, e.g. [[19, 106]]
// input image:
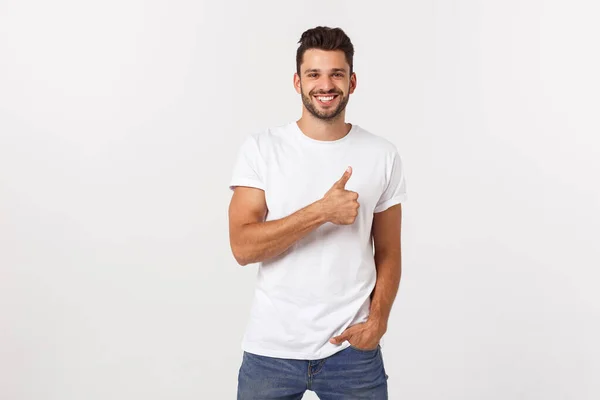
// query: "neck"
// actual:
[[319, 129]]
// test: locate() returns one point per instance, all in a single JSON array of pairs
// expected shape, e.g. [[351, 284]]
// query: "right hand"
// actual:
[[340, 205]]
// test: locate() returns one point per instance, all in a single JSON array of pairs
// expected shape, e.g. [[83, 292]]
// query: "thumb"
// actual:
[[345, 335], [339, 339], [344, 179]]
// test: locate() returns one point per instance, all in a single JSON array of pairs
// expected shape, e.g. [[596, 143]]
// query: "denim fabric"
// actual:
[[349, 374]]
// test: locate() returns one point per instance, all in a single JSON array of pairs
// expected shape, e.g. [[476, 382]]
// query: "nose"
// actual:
[[326, 83]]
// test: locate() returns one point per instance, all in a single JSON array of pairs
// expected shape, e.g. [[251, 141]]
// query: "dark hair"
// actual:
[[325, 38]]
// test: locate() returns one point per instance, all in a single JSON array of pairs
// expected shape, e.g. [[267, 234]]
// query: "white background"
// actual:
[[119, 125]]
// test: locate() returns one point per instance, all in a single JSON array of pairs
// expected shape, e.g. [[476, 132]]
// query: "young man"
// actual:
[[317, 203]]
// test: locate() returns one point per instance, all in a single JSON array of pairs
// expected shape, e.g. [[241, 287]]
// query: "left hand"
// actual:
[[364, 336]]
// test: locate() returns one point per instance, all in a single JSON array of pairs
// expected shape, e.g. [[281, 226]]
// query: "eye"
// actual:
[[339, 75], [312, 75]]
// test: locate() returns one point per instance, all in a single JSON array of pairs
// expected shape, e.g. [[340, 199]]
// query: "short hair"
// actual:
[[325, 38]]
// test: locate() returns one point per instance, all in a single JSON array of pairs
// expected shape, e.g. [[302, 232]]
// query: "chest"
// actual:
[[297, 177]]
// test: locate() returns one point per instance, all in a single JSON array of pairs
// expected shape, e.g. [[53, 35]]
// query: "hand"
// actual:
[[340, 205], [364, 336]]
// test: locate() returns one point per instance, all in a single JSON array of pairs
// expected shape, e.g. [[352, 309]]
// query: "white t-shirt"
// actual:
[[322, 284]]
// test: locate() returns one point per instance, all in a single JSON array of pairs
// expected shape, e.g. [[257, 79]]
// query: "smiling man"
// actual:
[[317, 204]]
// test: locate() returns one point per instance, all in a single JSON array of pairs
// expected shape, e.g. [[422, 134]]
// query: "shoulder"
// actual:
[[376, 142], [267, 137]]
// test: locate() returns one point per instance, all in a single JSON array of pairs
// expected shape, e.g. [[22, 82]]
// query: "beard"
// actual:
[[328, 114]]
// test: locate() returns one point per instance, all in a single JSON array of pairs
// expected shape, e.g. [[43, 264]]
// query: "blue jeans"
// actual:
[[348, 374]]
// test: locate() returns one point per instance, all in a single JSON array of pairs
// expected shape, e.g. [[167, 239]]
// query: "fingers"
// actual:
[[344, 179]]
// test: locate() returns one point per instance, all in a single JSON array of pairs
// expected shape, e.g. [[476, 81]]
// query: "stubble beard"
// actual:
[[328, 115]]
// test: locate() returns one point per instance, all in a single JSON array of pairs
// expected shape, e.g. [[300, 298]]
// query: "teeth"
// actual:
[[325, 98]]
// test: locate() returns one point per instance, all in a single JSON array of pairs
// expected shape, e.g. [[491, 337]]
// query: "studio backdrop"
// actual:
[[120, 122]]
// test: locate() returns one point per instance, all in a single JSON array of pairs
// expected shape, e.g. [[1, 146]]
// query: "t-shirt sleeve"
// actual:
[[248, 168], [395, 191]]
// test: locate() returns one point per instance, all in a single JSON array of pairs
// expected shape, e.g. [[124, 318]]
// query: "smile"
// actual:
[[326, 99]]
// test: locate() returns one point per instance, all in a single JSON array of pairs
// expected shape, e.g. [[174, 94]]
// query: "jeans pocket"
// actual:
[[364, 350]]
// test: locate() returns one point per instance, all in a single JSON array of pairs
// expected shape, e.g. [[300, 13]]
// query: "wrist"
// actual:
[[379, 323], [320, 211]]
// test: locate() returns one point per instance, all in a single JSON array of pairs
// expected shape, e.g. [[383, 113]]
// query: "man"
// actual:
[[317, 203]]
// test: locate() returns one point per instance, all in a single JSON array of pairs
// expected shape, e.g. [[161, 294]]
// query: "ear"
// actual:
[[352, 82], [297, 83]]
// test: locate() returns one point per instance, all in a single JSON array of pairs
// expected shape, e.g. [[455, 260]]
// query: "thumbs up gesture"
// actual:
[[340, 205]]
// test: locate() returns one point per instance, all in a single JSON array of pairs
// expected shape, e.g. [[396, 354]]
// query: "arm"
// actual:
[[386, 235], [254, 240]]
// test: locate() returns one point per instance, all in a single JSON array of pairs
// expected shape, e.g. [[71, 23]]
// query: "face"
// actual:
[[325, 83]]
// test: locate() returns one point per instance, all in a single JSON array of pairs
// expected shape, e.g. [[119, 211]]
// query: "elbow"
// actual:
[[241, 262], [240, 257]]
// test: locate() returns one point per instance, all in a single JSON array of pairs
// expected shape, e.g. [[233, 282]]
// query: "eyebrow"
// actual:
[[318, 70]]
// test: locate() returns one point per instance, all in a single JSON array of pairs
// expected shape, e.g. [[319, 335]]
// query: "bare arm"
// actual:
[[386, 235], [253, 240]]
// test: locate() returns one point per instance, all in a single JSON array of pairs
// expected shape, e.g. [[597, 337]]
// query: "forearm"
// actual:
[[389, 271], [260, 241]]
